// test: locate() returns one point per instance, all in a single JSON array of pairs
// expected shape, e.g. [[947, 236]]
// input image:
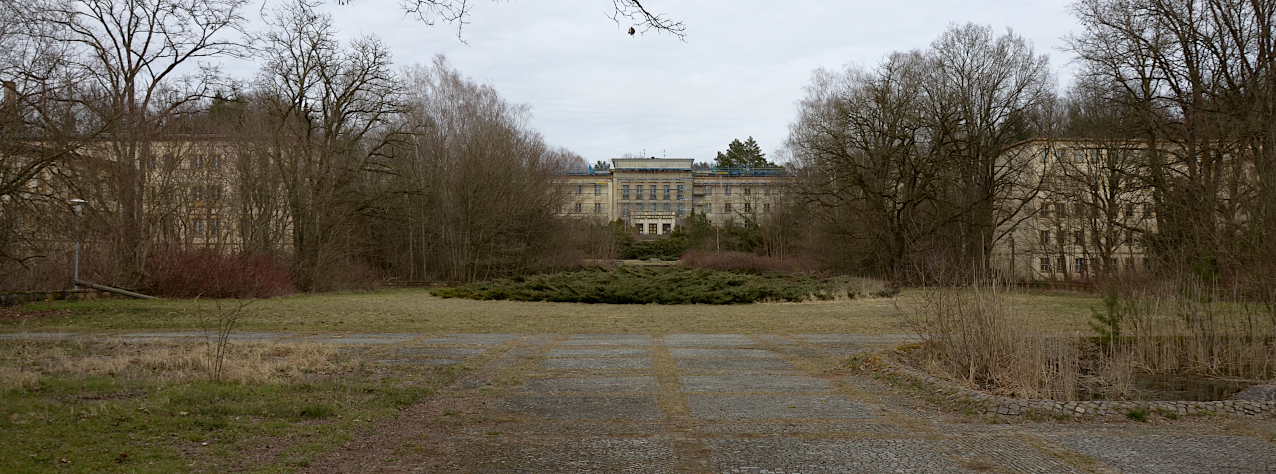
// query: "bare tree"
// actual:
[[481, 187], [905, 163], [136, 59], [638, 17], [1197, 77], [331, 107]]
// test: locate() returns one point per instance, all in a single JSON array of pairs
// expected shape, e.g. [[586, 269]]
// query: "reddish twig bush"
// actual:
[[187, 273], [738, 262]]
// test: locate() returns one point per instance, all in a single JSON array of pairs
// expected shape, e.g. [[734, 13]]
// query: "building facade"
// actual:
[[1087, 211], [655, 196]]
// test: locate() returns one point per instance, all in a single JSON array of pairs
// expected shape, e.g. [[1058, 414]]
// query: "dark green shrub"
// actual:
[[643, 285]]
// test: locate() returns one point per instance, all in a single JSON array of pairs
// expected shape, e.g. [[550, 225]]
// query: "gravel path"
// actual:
[[728, 403]]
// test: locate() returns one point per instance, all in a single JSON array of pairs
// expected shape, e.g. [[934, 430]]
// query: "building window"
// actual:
[[651, 229], [679, 192], [598, 190], [1079, 265], [766, 190], [639, 193], [652, 193], [747, 207], [197, 193], [197, 227], [578, 207], [213, 226], [1079, 237], [1045, 261], [624, 192], [1060, 264], [624, 209], [726, 208], [215, 162], [1061, 210], [727, 190], [766, 207], [1060, 153], [666, 192], [1147, 210], [1045, 237], [598, 208], [748, 190], [1078, 155], [1045, 158], [197, 162], [708, 190], [667, 209], [1045, 210], [580, 190], [708, 208]]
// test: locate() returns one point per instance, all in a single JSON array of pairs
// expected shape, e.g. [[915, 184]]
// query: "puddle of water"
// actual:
[[1192, 388]]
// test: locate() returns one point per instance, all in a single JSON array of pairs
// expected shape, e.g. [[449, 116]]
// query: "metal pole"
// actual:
[[79, 221]]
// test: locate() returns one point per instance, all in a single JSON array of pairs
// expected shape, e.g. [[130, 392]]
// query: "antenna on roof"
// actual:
[[664, 153]]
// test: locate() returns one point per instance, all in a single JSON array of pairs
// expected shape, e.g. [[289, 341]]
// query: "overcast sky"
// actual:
[[601, 93]]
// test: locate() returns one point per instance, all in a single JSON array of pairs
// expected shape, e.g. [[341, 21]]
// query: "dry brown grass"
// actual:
[[414, 310], [254, 363], [980, 337]]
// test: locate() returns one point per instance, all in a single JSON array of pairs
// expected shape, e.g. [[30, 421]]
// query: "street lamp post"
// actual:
[[79, 219]]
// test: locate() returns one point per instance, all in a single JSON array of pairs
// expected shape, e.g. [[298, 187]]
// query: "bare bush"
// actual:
[[970, 334], [738, 262], [190, 272]]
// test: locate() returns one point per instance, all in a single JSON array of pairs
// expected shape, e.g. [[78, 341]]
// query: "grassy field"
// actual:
[[415, 310], [92, 405]]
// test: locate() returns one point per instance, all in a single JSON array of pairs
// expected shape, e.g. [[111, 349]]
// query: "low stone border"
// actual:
[[1006, 406]]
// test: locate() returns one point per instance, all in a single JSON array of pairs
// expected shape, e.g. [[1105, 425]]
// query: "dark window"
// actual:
[[1045, 237], [1045, 261]]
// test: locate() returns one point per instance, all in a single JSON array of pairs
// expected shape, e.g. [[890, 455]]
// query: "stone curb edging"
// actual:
[[1006, 406]]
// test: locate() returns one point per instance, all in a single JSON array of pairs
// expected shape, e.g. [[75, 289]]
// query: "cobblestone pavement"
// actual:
[[727, 403]]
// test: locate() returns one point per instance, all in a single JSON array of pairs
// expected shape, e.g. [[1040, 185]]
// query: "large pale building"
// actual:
[[1084, 211], [655, 196]]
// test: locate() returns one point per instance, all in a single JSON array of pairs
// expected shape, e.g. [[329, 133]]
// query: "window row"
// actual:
[[199, 229], [653, 192], [1060, 210], [1078, 237], [195, 162], [1078, 155], [210, 193], [1080, 264], [727, 189]]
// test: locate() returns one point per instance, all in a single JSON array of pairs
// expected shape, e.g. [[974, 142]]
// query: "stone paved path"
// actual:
[[726, 403]]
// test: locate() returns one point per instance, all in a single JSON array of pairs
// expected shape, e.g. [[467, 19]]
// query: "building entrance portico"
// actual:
[[653, 223]]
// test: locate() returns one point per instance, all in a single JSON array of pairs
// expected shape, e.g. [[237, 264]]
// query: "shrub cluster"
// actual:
[[642, 285], [187, 273], [737, 262]]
